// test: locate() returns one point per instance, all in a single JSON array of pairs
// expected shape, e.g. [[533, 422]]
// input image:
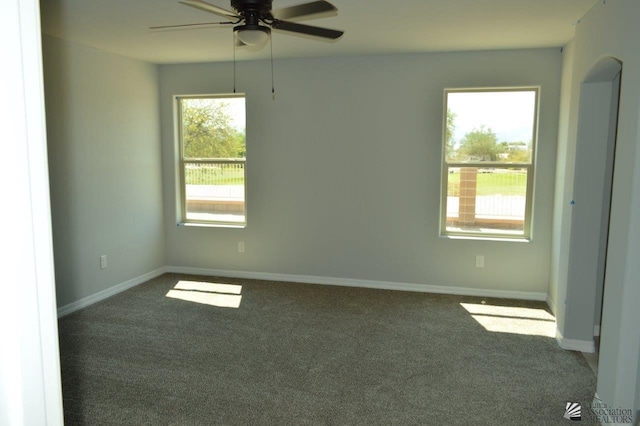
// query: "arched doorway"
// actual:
[[593, 180]]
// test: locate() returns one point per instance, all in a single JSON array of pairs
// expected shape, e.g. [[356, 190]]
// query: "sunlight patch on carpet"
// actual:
[[210, 287], [514, 320], [213, 294]]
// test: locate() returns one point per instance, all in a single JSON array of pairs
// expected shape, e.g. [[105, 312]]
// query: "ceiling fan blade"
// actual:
[[312, 10], [189, 26], [203, 5], [293, 27]]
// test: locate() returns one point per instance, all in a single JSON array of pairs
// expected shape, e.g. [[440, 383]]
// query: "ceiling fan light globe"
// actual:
[[253, 37]]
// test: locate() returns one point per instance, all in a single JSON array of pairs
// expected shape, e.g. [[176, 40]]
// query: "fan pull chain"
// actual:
[[233, 40], [273, 90]]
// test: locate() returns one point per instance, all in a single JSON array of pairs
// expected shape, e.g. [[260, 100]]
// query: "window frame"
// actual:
[[530, 167], [181, 164]]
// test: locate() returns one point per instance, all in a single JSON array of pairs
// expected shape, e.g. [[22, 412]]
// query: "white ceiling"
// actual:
[[371, 27]]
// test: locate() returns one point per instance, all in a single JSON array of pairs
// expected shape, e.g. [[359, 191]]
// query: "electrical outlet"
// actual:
[[240, 246], [479, 261], [103, 261]]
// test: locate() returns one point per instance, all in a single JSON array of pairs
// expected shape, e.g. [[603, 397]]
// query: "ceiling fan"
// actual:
[[253, 20]]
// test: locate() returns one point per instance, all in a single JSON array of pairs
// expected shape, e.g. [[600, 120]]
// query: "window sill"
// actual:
[[212, 225], [487, 238]]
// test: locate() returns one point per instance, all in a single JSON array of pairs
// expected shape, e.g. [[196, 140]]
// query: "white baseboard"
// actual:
[[307, 279], [348, 282], [551, 304], [597, 400], [587, 346], [111, 291]]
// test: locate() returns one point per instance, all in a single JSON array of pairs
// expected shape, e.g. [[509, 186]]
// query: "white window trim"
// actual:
[[181, 181], [528, 216]]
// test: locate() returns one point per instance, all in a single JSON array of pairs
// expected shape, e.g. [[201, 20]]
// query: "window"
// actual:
[[212, 145], [488, 162]]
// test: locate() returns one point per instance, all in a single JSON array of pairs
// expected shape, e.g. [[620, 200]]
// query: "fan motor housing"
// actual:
[[261, 6]]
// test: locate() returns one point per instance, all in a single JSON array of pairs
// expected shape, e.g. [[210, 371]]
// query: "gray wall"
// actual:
[[609, 30], [343, 169], [564, 170], [105, 167]]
